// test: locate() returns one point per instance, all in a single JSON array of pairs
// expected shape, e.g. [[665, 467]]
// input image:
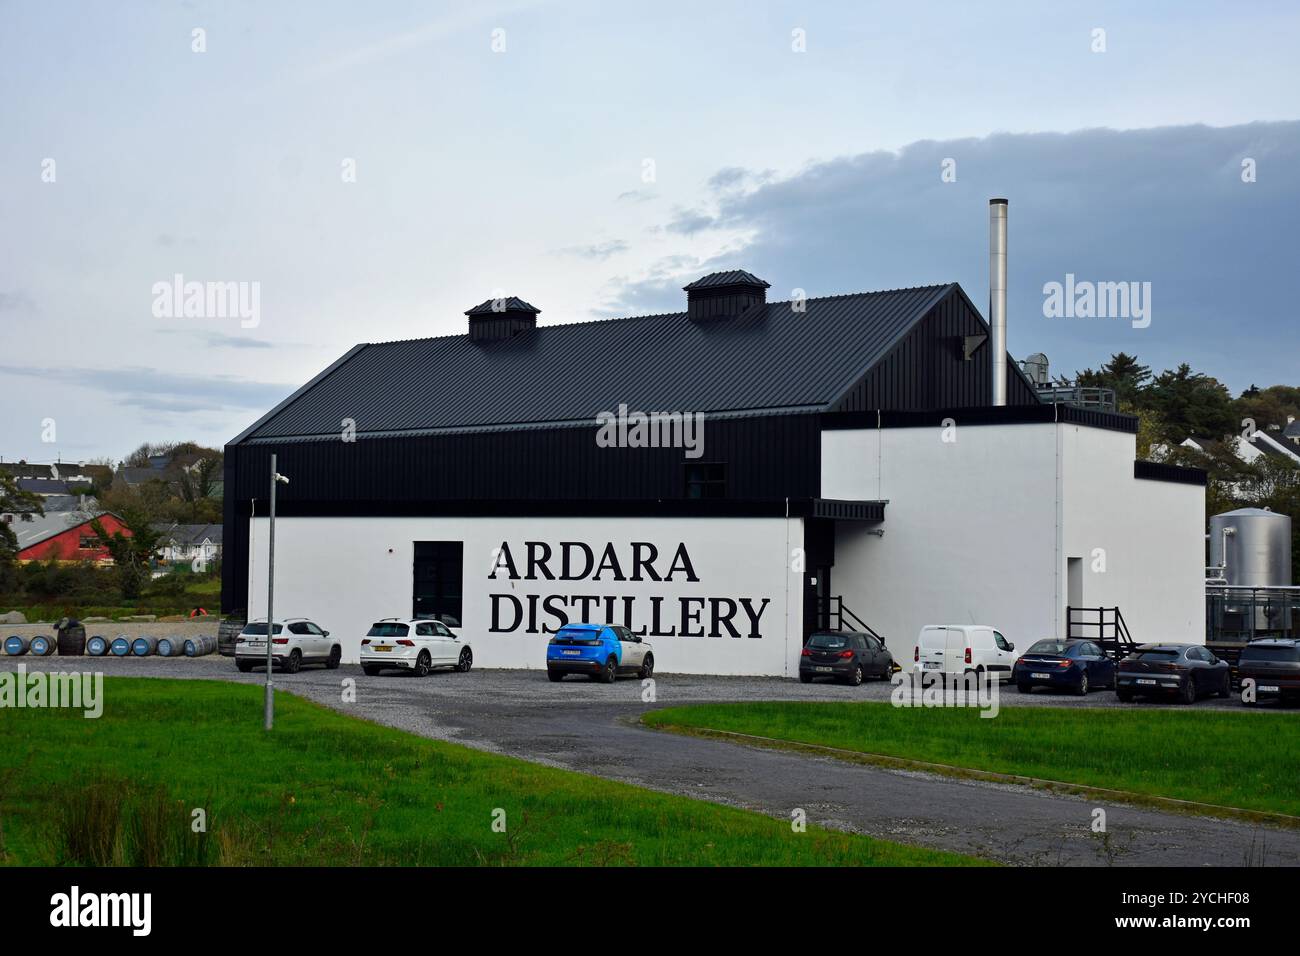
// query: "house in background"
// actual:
[[45, 487], [1291, 433], [64, 532], [56, 478], [1274, 445], [134, 477], [1264, 445], [186, 543], [1261, 444], [170, 470]]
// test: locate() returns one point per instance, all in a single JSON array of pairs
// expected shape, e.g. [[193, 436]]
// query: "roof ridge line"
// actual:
[[665, 315]]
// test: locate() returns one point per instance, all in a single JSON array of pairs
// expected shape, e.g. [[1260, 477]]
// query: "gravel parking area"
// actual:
[[593, 728], [531, 686]]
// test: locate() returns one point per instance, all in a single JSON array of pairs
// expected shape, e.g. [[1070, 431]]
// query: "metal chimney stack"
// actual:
[[998, 296]]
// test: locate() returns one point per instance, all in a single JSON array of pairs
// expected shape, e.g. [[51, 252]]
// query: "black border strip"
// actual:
[[578, 507], [1178, 474], [989, 415]]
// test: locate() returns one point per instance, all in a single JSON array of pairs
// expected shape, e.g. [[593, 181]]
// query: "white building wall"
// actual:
[[1141, 542], [979, 529], [968, 531], [851, 464], [345, 573]]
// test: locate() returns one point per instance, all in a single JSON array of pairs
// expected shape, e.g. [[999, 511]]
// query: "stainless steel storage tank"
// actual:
[[1258, 547]]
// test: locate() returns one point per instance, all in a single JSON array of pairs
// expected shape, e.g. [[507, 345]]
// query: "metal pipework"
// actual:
[[998, 296], [1222, 566]]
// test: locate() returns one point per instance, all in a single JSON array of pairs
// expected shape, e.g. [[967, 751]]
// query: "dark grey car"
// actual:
[[1272, 665], [1182, 671], [846, 656]]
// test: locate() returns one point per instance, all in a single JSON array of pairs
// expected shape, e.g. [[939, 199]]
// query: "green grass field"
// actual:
[[327, 789], [1229, 759]]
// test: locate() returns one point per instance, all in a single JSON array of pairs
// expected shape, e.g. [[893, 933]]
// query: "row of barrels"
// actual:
[[122, 646]]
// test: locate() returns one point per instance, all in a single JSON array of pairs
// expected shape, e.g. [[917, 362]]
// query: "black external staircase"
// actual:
[[1105, 625], [832, 615]]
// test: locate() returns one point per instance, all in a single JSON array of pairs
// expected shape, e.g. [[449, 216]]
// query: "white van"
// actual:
[[957, 648]]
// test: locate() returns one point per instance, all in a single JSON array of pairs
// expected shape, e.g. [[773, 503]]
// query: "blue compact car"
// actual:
[[601, 651], [1074, 665]]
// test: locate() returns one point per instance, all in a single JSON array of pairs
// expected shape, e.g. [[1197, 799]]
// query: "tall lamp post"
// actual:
[[276, 479]]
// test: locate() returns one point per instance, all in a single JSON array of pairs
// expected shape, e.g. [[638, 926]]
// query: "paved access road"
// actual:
[[592, 728]]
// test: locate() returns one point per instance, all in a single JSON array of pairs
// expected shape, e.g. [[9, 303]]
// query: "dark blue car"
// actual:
[[1074, 665]]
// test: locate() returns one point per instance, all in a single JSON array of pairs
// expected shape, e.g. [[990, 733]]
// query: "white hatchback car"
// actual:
[[417, 645], [294, 641]]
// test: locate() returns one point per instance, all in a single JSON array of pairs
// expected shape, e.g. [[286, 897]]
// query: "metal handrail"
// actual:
[[1085, 396], [1285, 588], [840, 613], [1119, 639], [1233, 612]]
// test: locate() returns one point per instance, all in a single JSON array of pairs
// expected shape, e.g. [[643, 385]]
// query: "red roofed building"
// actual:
[[64, 536]]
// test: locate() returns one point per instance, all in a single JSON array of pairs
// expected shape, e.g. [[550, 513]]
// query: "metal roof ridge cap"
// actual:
[[680, 314]]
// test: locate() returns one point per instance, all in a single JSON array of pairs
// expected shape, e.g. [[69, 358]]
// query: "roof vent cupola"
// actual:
[[722, 295], [501, 318]]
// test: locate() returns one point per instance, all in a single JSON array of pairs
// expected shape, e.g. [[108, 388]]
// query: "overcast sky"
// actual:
[[594, 157]]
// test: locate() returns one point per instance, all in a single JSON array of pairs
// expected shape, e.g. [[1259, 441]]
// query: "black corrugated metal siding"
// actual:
[[926, 369], [704, 307], [767, 457], [492, 326]]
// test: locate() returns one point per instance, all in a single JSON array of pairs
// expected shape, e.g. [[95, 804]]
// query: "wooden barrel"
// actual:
[[200, 646], [97, 646], [228, 634], [72, 639], [42, 645], [16, 646], [170, 646], [144, 646], [121, 646]]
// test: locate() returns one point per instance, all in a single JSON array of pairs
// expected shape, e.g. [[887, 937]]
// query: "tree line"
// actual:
[[1180, 403]]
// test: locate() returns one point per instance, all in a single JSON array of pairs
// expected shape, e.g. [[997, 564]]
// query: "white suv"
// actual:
[[294, 641], [417, 645]]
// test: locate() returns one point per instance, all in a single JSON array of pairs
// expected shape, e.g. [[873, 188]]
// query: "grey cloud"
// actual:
[[597, 250], [1164, 205], [736, 177], [167, 240], [16, 302], [637, 195], [727, 177], [658, 290], [689, 222], [160, 390], [215, 340]]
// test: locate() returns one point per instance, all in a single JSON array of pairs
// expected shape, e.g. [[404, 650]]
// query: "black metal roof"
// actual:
[[722, 280], [512, 304], [772, 358]]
